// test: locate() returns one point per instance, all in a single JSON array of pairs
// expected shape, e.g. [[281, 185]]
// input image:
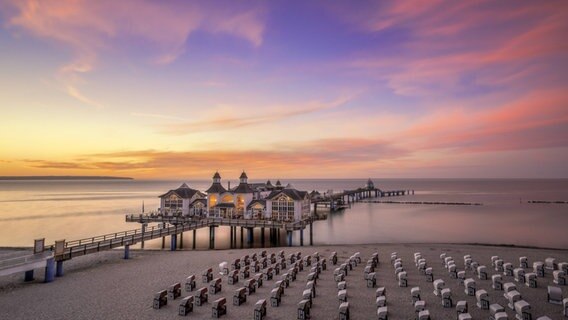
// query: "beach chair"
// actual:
[[160, 299], [467, 262], [419, 306], [381, 301], [452, 270], [563, 266], [258, 279], [333, 258], [215, 286], [523, 310], [201, 296], [311, 286], [509, 286], [439, 284], [554, 295], [513, 297], [397, 271], [473, 266], [415, 294], [482, 299], [461, 277], [219, 308], [250, 286], [312, 276], [493, 259], [500, 316], [240, 296], [244, 272], [304, 310], [368, 269], [185, 306], [519, 275], [464, 316], [394, 256], [538, 268], [344, 311], [530, 280], [381, 291], [461, 307], [307, 295], [523, 262], [495, 309], [565, 307], [275, 297], [550, 264], [446, 295], [260, 309], [559, 277], [286, 279], [371, 280], [382, 313], [207, 275], [338, 275], [482, 272], [190, 283], [342, 295], [429, 274], [341, 285], [402, 279], [499, 265], [507, 269], [497, 282], [233, 277], [224, 268], [174, 291], [424, 315], [469, 285], [343, 267], [236, 264], [322, 265], [375, 258]]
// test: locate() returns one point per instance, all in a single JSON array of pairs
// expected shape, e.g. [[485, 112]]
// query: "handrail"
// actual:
[[12, 262]]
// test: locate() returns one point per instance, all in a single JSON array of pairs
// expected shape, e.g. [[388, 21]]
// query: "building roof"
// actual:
[[291, 193], [278, 184], [216, 175], [253, 202], [201, 200], [216, 188], [269, 184], [243, 188], [184, 192], [243, 176]]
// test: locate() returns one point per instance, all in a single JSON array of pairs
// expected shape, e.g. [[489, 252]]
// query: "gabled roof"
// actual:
[[216, 188], [243, 188], [217, 175], [291, 193], [184, 192], [243, 176], [201, 200], [253, 202]]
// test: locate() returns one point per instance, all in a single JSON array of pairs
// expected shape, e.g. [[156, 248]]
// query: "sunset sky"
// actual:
[[295, 89]]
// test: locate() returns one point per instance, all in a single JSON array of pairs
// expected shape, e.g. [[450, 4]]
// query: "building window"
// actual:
[[283, 209]]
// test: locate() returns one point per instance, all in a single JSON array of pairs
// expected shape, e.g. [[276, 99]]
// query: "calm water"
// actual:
[[79, 209]]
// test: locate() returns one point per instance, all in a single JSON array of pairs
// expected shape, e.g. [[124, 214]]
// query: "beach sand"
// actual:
[[105, 286]]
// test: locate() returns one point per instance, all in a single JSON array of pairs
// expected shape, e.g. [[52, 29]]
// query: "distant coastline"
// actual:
[[63, 178]]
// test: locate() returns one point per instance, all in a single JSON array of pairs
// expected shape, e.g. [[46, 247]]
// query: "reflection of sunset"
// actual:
[[181, 89]]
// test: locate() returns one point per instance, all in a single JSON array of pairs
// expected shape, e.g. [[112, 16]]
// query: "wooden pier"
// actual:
[[343, 200]]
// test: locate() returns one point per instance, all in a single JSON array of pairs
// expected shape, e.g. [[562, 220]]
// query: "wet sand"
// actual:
[[105, 286]]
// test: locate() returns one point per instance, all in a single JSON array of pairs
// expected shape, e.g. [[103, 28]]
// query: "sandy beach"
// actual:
[[105, 286]]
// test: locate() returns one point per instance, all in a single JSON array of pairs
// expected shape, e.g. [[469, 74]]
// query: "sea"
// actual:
[[77, 209]]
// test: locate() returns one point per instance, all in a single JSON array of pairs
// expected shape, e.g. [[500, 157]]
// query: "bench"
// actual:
[[190, 283], [371, 280], [497, 282], [201, 296], [207, 275], [215, 286], [219, 308], [446, 295], [160, 299], [415, 294], [260, 309], [469, 285], [554, 295], [304, 310], [344, 311], [523, 310], [494, 309], [240, 296], [482, 299], [185, 306], [342, 295], [382, 313], [275, 297], [530, 279], [233, 277], [174, 291]]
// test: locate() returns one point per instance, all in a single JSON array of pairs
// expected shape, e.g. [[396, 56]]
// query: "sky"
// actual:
[[290, 89]]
